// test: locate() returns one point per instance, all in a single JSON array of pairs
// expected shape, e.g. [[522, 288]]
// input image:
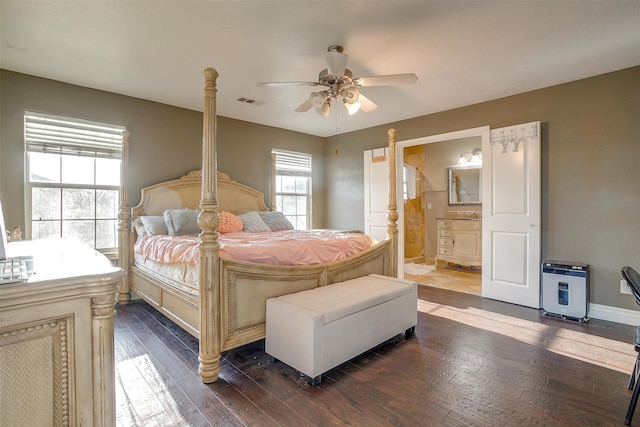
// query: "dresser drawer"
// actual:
[[445, 224], [445, 250], [446, 241], [445, 233]]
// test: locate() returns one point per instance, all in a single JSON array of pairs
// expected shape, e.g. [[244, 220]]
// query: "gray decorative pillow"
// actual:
[[276, 221], [252, 222], [139, 227], [154, 225], [182, 222]]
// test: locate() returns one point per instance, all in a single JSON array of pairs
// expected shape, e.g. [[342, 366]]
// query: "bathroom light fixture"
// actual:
[[473, 158], [476, 157]]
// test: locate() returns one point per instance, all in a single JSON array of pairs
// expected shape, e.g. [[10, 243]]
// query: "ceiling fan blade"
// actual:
[[306, 105], [336, 63], [366, 104], [283, 84], [389, 80]]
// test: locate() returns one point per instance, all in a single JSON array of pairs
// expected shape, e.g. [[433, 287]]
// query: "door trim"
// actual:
[[483, 131]]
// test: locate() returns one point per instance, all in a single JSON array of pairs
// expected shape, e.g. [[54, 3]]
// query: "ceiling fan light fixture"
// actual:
[[339, 82], [350, 95], [319, 98], [324, 109], [352, 108]]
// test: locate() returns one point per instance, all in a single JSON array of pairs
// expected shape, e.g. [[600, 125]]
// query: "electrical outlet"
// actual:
[[624, 289]]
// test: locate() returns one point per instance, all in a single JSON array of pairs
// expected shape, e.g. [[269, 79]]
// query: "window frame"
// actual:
[[88, 139], [293, 164]]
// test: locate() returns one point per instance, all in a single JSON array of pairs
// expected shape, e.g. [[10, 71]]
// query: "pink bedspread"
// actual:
[[287, 247]]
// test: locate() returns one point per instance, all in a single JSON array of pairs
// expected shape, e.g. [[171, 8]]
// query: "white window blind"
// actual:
[[292, 163], [47, 133]]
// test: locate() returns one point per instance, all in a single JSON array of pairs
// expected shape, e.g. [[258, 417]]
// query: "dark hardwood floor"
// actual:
[[472, 361]]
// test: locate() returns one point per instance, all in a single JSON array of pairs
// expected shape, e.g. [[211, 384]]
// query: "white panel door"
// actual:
[[376, 193], [511, 215]]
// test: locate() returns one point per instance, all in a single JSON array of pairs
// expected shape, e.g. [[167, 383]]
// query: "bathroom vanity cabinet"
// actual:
[[460, 242]]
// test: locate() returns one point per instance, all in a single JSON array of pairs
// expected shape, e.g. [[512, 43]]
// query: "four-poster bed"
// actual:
[[226, 308]]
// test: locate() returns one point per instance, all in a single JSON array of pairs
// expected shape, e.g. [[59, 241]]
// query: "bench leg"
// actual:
[[409, 332], [313, 381]]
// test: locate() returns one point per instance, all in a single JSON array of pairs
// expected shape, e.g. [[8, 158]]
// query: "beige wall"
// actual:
[[166, 141], [590, 169], [590, 155]]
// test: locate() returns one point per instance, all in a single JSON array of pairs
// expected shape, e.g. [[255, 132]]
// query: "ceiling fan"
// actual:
[[339, 81]]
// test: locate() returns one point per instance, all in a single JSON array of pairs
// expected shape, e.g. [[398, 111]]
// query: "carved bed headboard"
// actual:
[[185, 192]]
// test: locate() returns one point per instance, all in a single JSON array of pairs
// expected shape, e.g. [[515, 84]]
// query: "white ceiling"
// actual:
[[463, 52]]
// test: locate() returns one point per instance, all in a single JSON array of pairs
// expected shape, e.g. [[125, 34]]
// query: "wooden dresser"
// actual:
[[460, 242], [56, 339]]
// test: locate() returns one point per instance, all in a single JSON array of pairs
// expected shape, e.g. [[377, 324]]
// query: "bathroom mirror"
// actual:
[[465, 185]]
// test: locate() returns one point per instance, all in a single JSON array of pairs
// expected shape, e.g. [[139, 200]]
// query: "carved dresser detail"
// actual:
[[56, 340]]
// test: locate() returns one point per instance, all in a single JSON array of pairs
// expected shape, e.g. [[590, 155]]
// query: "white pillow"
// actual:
[[252, 222]]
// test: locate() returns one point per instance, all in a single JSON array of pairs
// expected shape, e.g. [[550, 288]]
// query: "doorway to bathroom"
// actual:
[[442, 214]]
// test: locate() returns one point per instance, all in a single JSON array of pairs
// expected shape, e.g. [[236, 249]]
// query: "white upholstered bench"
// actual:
[[316, 330]]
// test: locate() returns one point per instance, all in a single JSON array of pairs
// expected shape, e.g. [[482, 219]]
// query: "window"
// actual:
[[73, 179], [293, 187], [404, 183]]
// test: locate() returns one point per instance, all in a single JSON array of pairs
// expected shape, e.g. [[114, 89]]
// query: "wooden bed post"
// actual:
[[208, 220], [392, 214], [124, 225]]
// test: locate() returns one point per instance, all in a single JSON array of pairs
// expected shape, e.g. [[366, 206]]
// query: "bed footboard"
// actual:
[[247, 286]]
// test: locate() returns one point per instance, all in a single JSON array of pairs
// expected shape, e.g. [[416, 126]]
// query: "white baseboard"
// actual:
[[614, 314]]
